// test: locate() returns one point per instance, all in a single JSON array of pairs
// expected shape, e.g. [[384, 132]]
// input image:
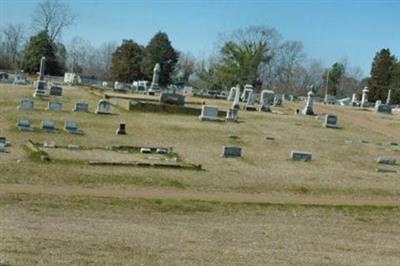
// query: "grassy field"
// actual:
[[257, 210]]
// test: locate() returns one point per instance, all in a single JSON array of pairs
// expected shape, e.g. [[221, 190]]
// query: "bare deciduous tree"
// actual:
[[53, 17], [14, 37]]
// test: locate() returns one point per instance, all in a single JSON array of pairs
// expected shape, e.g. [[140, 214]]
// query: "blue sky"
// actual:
[[329, 30]]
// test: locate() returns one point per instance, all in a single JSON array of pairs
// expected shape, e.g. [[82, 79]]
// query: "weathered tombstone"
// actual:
[[354, 101], [277, 101], [209, 113], [54, 106], [383, 108], [25, 105], [388, 99], [266, 99], [24, 124], [236, 101], [55, 91], [330, 121], [308, 108], [3, 140], [145, 150], [232, 115], [156, 78], [81, 107], [103, 107], [162, 150], [40, 89], [71, 127], [20, 79], [42, 68], [231, 151], [250, 104], [364, 98], [248, 89], [301, 156], [386, 160], [2, 147], [172, 99], [48, 126], [232, 93], [121, 130]]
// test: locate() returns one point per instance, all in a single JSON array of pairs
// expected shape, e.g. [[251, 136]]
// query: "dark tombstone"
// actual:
[[121, 130]]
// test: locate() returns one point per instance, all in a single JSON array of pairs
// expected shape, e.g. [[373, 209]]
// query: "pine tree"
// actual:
[[159, 50], [381, 75], [126, 62], [38, 46]]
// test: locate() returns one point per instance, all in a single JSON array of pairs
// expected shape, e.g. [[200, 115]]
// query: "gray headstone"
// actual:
[[2, 147], [81, 107], [55, 91], [25, 105], [209, 113], [232, 115], [330, 121], [121, 130], [48, 125], [145, 150], [71, 127], [301, 155], [103, 107], [383, 108], [3, 140], [54, 106], [24, 124], [231, 151], [172, 98], [386, 160]]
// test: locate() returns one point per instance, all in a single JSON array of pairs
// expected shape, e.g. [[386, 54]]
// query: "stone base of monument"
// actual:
[[232, 115], [307, 111], [250, 108]]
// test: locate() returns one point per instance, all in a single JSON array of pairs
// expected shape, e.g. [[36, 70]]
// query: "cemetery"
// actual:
[[217, 143]]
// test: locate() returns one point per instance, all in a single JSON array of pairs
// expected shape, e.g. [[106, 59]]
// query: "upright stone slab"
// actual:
[[266, 100], [354, 101], [172, 99], [248, 89], [277, 101], [232, 93], [71, 127], [24, 124], [25, 105], [209, 113], [42, 68], [301, 155], [231, 151], [388, 99], [20, 79], [54, 106], [40, 89], [383, 108], [232, 115], [308, 108], [55, 91], [330, 121], [364, 98], [48, 126], [121, 130], [81, 107], [103, 107], [251, 101], [155, 80], [236, 101]]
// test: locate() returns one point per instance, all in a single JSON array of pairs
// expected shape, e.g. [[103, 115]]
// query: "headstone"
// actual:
[[388, 99], [172, 99], [364, 99], [266, 100], [71, 127], [72, 78], [72, 147], [48, 126], [301, 155], [49, 144], [386, 160], [354, 101], [3, 140], [231, 151], [145, 150], [308, 108], [232, 115], [40, 89], [209, 113], [251, 101], [54, 106], [236, 101], [231, 95], [162, 150], [156, 78], [330, 121], [2, 147], [81, 107], [382, 108], [248, 89], [25, 105], [24, 124], [55, 91], [20, 79], [121, 130], [103, 107], [277, 101]]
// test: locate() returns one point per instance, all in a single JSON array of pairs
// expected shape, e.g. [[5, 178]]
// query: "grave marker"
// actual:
[[231, 151]]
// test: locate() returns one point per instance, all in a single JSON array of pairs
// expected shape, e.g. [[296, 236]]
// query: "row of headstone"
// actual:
[[24, 124], [27, 104], [234, 151]]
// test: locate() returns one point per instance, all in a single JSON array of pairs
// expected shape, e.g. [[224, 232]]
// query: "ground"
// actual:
[[262, 209]]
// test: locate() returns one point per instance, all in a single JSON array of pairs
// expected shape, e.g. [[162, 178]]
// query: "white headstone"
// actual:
[[209, 113], [103, 107]]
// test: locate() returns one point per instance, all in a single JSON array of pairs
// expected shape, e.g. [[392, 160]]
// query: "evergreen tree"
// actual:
[[126, 62], [395, 84], [381, 75], [38, 46], [335, 76], [159, 50]]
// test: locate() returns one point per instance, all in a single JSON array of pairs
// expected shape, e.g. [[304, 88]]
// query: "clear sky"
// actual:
[[329, 30]]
